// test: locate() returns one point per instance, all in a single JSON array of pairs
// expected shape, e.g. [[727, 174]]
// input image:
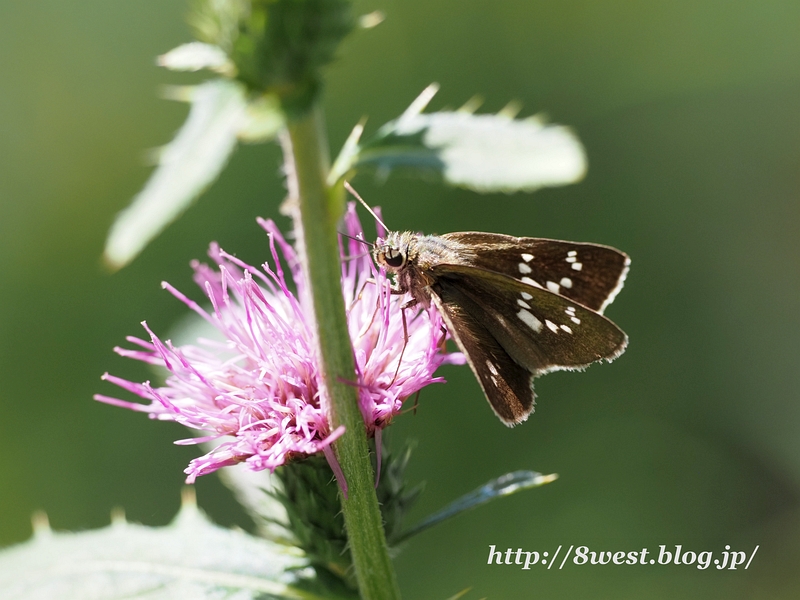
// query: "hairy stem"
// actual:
[[316, 210]]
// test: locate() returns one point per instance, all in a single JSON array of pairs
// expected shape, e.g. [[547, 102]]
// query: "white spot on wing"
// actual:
[[577, 266], [553, 287], [530, 281], [551, 326], [526, 296], [523, 304], [572, 253], [491, 367], [565, 328], [566, 282], [524, 269], [527, 257], [575, 320], [529, 320]]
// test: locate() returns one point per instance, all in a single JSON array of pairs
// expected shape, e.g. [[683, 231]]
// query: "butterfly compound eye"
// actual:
[[394, 258]]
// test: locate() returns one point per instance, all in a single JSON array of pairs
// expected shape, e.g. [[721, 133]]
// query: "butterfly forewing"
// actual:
[[517, 331], [589, 274]]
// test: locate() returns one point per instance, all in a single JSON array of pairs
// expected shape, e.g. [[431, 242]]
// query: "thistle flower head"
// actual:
[[257, 393]]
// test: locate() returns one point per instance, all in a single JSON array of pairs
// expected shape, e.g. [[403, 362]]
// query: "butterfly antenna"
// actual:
[[357, 239], [350, 189]]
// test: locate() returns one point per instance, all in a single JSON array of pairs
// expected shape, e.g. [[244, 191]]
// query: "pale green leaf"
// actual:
[[505, 485], [195, 56], [370, 20], [486, 153], [186, 166], [263, 119], [191, 558]]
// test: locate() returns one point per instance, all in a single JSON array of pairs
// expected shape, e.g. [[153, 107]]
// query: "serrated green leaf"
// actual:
[[486, 153], [504, 485], [190, 558], [281, 46], [186, 166]]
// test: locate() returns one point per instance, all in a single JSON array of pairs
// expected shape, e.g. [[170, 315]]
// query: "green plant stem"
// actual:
[[316, 211]]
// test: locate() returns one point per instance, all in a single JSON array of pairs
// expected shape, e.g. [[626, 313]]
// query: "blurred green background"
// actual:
[[689, 113]]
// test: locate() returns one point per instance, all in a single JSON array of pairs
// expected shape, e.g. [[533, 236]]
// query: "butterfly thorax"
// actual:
[[411, 257]]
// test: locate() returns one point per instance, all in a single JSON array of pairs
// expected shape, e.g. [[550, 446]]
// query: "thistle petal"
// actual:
[[258, 392]]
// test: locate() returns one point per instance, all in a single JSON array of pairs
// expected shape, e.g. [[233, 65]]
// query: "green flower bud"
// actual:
[[278, 46]]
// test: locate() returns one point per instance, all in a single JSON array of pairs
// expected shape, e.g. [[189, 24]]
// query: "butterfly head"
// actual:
[[392, 252]]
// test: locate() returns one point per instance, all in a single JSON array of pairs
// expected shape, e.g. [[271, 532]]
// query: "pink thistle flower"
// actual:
[[257, 393]]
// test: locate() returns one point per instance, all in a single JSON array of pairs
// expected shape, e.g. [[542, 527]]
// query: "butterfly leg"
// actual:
[[442, 339], [405, 340], [412, 409], [360, 294], [410, 304], [359, 297]]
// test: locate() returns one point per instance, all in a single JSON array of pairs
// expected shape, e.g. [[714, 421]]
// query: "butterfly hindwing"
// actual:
[[512, 332], [589, 274], [507, 385]]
